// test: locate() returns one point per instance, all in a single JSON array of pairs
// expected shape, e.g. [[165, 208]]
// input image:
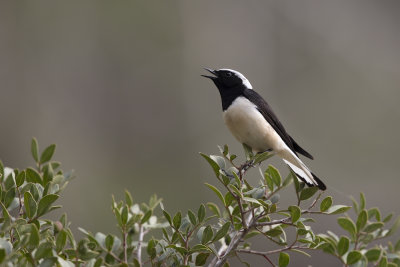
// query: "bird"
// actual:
[[252, 122]]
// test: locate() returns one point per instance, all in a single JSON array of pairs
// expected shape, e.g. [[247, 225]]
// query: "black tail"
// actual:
[[300, 150], [320, 184]]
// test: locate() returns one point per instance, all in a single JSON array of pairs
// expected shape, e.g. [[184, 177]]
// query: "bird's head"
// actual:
[[225, 79]]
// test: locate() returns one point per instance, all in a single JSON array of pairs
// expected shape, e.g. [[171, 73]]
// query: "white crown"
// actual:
[[241, 76]]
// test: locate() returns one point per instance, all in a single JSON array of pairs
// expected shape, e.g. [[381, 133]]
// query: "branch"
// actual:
[[139, 247], [125, 235], [222, 257], [249, 251], [282, 221]]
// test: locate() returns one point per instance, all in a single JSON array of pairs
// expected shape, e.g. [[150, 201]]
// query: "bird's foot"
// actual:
[[247, 165]]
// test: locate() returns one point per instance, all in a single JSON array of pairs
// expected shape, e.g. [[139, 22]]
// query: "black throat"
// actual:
[[228, 95]]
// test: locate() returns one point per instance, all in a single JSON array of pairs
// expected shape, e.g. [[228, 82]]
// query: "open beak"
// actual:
[[212, 72]]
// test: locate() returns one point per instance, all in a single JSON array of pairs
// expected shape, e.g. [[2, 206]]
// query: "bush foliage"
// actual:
[[211, 234]]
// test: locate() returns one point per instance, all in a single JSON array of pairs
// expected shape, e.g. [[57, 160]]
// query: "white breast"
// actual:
[[248, 126]]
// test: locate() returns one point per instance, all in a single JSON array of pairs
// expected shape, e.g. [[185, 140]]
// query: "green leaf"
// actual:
[[47, 154], [20, 179], [288, 180], [248, 151], [284, 259], [274, 232], [397, 246], [6, 215], [347, 224], [167, 216], [124, 215], [222, 232], [35, 149], [44, 251], [224, 150], [212, 163], [30, 205], [262, 157], [355, 204], [201, 213], [34, 237], [274, 174], [362, 220], [33, 176], [151, 248], [374, 212], [2, 255], [272, 208], [220, 161], [128, 198], [343, 245], [268, 181], [207, 235], [325, 204], [295, 213], [214, 208], [1, 171], [9, 197], [146, 216], [237, 179], [336, 209], [372, 227], [177, 220], [383, 262], [45, 203], [353, 257], [201, 259], [61, 240], [388, 217], [362, 201], [373, 254], [109, 242], [308, 192], [394, 227], [192, 217], [217, 192]]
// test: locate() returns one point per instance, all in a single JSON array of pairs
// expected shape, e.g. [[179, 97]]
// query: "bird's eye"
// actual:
[[228, 74]]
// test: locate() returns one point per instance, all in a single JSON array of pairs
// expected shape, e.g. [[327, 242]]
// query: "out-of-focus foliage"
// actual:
[[210, 234]]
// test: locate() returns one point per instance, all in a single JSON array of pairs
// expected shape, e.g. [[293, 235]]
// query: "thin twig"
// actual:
[[249, 251], [266, 257], [282, 221], [20, 212], [315, 201], [139, 247], [242, 212], [124, 236]]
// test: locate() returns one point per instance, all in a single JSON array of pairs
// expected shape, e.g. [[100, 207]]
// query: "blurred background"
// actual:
[[116, 85]]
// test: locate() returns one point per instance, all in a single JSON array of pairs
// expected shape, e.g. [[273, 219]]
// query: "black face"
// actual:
[[224, 79], [230, 85]]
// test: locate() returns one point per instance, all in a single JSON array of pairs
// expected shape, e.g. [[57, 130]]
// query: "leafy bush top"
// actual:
[[211, 234]]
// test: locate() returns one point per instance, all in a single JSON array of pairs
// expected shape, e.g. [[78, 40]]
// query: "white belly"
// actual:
[[248, 126]]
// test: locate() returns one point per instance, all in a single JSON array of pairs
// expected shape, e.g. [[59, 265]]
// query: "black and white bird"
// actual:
[[252, 122]]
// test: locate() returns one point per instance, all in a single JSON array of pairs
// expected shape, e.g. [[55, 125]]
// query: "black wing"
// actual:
[[270, 116]]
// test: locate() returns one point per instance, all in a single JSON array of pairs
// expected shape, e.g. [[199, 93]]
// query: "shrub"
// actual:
[[210, 234]]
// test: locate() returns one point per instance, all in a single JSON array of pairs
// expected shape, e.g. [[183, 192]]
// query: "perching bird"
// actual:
[[252, 122]]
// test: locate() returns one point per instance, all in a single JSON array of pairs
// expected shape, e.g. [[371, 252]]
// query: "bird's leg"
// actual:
[[247, 165]]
